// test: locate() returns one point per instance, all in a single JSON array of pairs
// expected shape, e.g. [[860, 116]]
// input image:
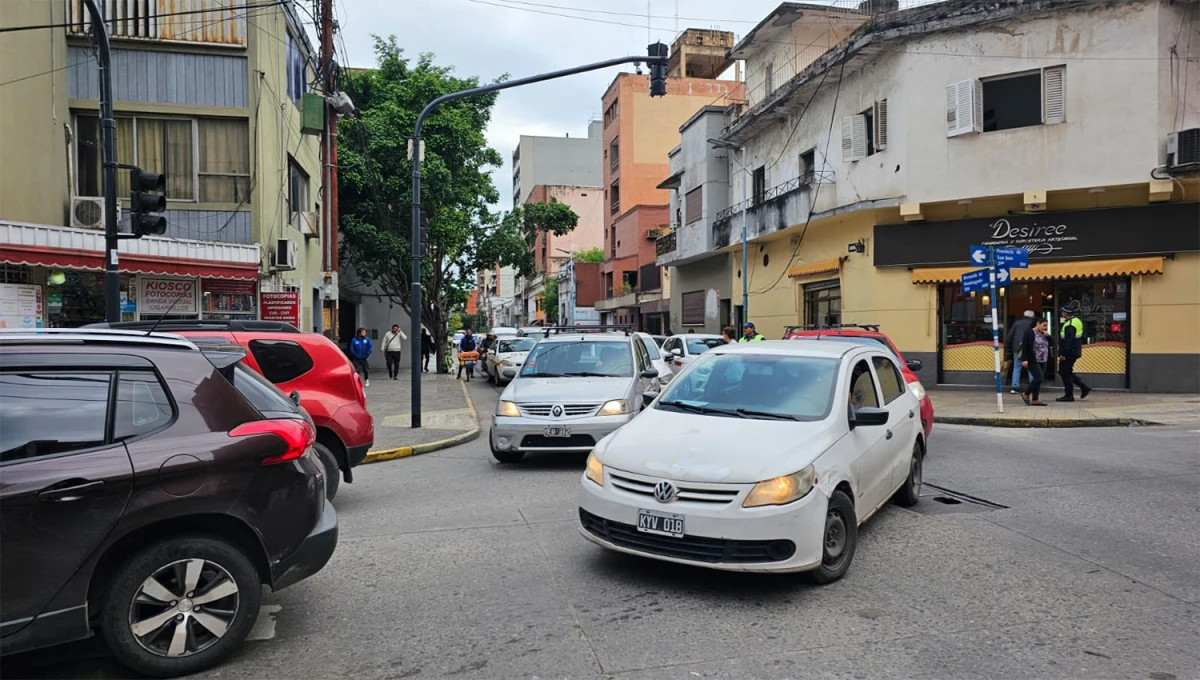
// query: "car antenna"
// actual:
[[165, 314]]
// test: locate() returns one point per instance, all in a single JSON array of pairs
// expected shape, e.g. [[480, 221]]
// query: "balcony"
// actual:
[[201, 21], [780, 207], [665, 245]]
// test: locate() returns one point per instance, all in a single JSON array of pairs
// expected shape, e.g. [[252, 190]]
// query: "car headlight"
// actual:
[[782, 490], [506, 362], [615, 407], [508, 408], [917, 389], [595, 471]]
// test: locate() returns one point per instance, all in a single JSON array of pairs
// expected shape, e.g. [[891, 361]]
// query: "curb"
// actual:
[[997, 421], [428, 447]]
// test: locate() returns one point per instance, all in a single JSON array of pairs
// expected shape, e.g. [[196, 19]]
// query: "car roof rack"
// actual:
[[232, 325], [571, 330], [26, 336], [787, 330]]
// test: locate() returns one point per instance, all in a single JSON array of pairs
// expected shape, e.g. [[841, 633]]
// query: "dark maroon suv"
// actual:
[[149, 490]]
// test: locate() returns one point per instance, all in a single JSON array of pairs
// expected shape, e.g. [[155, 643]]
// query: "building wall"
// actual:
[[705, 275], [570, 161], [588, 204]]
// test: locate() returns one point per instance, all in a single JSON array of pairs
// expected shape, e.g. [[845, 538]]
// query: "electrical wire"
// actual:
[[114, 20], [627, 14]]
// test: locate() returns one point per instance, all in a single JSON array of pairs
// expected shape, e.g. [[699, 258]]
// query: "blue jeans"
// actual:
[[1016, 373]]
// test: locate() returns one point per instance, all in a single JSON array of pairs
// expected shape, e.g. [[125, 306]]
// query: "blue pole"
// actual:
[[995, 329]]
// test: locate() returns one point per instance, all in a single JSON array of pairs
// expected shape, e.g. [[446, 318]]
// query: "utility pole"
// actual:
[[329, 163], [108, 155], [656, 59]]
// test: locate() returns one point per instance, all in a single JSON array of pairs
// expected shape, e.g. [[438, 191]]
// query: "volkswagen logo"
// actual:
[[557, 411], [665, 492]]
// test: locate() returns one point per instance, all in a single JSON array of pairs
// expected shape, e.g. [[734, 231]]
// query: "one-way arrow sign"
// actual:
[[979, 255], [1002, 275]]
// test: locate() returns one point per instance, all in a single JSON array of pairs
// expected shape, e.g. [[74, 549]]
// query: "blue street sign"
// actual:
[[1012, 257], [1002, 276], [976, 280], [979, 255]]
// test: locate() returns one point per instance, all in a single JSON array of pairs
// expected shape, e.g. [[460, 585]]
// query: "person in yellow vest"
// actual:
[[1070, 349], [749, 334]]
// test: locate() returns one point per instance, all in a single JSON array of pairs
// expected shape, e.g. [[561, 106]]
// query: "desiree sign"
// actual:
[[1121, 232]]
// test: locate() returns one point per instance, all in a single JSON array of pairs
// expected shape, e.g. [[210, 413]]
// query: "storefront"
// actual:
[[1131, 275]]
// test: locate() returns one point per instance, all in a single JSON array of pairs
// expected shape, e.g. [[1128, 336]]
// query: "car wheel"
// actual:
[[181, 606], [838, 541], [333, 474], [492, 379], [910, 493]]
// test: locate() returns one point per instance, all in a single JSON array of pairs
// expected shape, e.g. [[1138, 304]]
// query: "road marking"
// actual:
[[264, 625]]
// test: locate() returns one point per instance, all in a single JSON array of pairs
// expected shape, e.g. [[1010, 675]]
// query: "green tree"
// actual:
[[589, 255], [550, 300]]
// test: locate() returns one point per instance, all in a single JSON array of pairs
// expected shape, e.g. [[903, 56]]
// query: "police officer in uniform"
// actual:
[[1070, 349], [749, 334]]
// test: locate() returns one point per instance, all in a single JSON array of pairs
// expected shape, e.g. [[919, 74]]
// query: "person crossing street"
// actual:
[[393, 345], [1070, 349]]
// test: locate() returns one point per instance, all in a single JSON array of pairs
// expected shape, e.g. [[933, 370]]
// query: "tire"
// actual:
[[333, 474], [908, 494], [839, 541], [492, 378], [505, 456], [222, 568]]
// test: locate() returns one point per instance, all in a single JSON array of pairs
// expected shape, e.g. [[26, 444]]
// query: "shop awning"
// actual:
[[822, 267], [1041, 271], [55, 247]]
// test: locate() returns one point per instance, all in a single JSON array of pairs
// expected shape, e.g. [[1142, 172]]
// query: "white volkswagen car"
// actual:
[[762, 456], [682, 350], [505, 358]]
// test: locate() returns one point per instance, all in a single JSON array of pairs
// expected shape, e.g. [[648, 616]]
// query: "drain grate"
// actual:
[[938, 500]]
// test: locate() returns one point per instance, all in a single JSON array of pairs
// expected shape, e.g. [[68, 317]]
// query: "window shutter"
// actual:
[[854, 138], [964, 107], [976, 105], [1054, 95], [951, 110], [694, 205], [880, 125]]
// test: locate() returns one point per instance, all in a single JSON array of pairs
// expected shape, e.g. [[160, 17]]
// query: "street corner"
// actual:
[[418, 449], [440, 429]]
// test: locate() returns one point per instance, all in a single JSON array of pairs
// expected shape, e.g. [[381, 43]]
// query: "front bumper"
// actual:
[[528, 434], [721, 536], [312, 554]]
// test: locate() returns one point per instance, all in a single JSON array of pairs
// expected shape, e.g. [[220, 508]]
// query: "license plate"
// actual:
[[558, 431], [661, 523]]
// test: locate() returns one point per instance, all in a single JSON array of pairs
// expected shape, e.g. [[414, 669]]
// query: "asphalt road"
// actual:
[[452, 566]]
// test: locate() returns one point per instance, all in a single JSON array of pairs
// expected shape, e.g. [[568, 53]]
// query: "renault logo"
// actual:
[[665, 492], [557, 411]]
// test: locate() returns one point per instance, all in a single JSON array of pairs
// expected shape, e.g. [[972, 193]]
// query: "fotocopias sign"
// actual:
[[280, 306]]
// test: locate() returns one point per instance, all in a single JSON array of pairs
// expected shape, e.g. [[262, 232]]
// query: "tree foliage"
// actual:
[[589, 255], [550, 301]]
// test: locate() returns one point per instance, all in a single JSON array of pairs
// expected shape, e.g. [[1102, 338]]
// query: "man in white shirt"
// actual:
[[393, 345]]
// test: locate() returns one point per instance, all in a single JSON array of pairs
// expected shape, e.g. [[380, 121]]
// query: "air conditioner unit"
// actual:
[[87, 213], [307, 223], [1183, 148], [286, 254]]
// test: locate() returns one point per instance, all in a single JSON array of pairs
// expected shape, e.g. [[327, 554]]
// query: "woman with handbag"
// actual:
[[1033, 354]]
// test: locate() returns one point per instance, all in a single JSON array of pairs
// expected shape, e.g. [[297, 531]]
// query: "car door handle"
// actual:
[[74, 492], [910, 413], [889, 434]]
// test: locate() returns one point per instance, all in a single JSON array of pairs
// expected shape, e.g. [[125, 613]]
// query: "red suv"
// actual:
[[307, 363], [869, 333]]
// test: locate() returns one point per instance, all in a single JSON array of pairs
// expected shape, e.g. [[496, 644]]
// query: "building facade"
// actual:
[[1058, 127], [551, 252], [215, 99], [566, 161]]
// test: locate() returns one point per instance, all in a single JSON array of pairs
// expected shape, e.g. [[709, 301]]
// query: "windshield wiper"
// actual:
[[748, 413], [587, 374], [542, 375], [696, 408]]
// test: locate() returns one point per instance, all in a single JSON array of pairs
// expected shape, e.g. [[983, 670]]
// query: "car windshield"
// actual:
[[651, 348], [702, 345], [580, 358], [755, 386], [516, 345]]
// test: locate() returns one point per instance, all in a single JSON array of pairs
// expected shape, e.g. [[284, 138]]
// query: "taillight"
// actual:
[[358, 389], [295, 433]]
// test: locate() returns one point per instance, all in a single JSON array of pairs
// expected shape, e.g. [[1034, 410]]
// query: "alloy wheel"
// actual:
[[183, 608]]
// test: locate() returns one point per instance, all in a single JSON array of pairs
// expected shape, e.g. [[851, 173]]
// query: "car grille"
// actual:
[[696, 548], [569, 410], [686, 493], [537, 441]]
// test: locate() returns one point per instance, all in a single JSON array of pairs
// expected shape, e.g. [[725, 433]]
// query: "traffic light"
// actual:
[[144, 202], [658, 69]]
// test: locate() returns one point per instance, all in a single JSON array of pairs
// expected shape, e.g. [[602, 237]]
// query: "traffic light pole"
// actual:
[[656, 60], [108, 152]]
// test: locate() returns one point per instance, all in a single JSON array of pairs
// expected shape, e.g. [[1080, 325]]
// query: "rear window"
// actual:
[[261, 394], [281, 360], [702, 345], [651, 348]]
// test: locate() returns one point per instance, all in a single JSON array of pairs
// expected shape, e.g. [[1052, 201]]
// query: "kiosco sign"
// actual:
[[157, 297]]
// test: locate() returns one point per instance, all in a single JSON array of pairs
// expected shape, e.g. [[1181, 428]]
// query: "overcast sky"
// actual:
[[487, 38]]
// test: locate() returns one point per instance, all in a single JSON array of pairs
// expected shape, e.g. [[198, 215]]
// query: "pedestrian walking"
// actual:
[[1070, 349], [466, 345], [1032, 355], [393, 346], [749, 334], [1013, 342], [360, 351], [729, 335], [426, 349]]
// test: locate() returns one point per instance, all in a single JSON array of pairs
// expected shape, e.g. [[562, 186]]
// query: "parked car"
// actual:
[[659, 339], [147, 498], [504, 331], [535, 332], [870, 334], [331, 391], [762, 456], [573, 389], [504, 359], [665, 373], [683, 349]]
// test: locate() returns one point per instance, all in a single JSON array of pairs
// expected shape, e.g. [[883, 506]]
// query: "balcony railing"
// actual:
[[200, 21], [795, 184], [665, 244]]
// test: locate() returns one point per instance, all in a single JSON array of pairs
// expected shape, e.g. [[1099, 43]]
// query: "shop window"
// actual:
[[72, 413], [297, 188], [823, 303], [229, 299], [280, 360]]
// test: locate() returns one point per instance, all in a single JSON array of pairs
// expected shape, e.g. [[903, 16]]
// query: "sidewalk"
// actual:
[[447, 414], [970, 406]]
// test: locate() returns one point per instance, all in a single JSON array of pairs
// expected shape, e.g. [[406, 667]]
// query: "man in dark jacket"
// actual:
[[467, 344], [1070, 349], [1012, 343]]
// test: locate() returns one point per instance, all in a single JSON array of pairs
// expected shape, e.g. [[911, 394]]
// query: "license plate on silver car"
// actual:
[[558, 431], [661, 523]]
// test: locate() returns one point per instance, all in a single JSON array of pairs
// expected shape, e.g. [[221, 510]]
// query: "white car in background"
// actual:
[[503, 332], [665, 372], [505, 357], [761, 457], [681, 350]]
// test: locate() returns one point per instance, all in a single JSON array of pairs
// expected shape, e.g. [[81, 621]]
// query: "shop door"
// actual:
[[1103, 307]]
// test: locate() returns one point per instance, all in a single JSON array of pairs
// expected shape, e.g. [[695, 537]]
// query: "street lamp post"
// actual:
[[721, 144]]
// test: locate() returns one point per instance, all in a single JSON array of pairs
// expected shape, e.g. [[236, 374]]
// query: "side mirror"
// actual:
[[648, 397], [914, 365], [295, 397], [869, 416], [677, 352], [650, 373]]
